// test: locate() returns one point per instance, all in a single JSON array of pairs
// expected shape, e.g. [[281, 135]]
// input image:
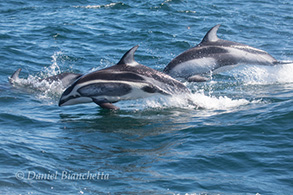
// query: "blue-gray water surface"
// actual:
[[239, 142]]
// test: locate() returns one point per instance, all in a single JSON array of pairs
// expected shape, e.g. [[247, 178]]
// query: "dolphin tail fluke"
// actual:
[[14, 76], [105, 104]]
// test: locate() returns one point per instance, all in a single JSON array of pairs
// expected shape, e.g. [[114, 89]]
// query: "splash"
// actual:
[[195, 101], [44, 89], [53, 69], [257, 75]]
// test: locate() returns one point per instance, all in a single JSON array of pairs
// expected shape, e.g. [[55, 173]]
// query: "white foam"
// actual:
[[263, 74], [217, 103], [195, 101], [43, 88]]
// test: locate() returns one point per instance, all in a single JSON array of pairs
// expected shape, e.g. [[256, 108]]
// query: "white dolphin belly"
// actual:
[[195, 66]]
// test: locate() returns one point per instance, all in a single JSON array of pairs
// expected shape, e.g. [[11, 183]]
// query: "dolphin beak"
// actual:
[[64, 97], [61, 102]]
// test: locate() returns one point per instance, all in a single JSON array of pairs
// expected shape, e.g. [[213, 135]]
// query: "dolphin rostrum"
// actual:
[[124, 81], [214, 53], [66, 78]]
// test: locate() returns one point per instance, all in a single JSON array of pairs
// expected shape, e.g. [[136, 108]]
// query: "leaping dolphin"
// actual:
[[66, 78], [214, 53], [124, 81]]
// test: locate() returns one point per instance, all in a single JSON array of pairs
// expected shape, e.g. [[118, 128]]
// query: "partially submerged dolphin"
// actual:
[[66, 78], [214, 53], [124, 81]]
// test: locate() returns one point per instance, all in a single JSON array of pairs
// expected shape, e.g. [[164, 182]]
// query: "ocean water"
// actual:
[[239, 142]]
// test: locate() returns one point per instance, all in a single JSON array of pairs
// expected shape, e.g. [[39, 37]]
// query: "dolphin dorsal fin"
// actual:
[[211, 35], [14, 76], [128, 58]]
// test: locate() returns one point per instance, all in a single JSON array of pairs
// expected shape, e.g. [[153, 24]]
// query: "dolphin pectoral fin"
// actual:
[[105, 104], [108, 105], [153, 89], [14, 76], [197, 78]]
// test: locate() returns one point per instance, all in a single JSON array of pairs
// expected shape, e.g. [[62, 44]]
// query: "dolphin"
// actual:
[[124, 81], [66, 78], [214, 53]]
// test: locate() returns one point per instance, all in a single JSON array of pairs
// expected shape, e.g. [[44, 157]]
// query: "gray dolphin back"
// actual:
[[66, 78], [124, 81], [213, 53]]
